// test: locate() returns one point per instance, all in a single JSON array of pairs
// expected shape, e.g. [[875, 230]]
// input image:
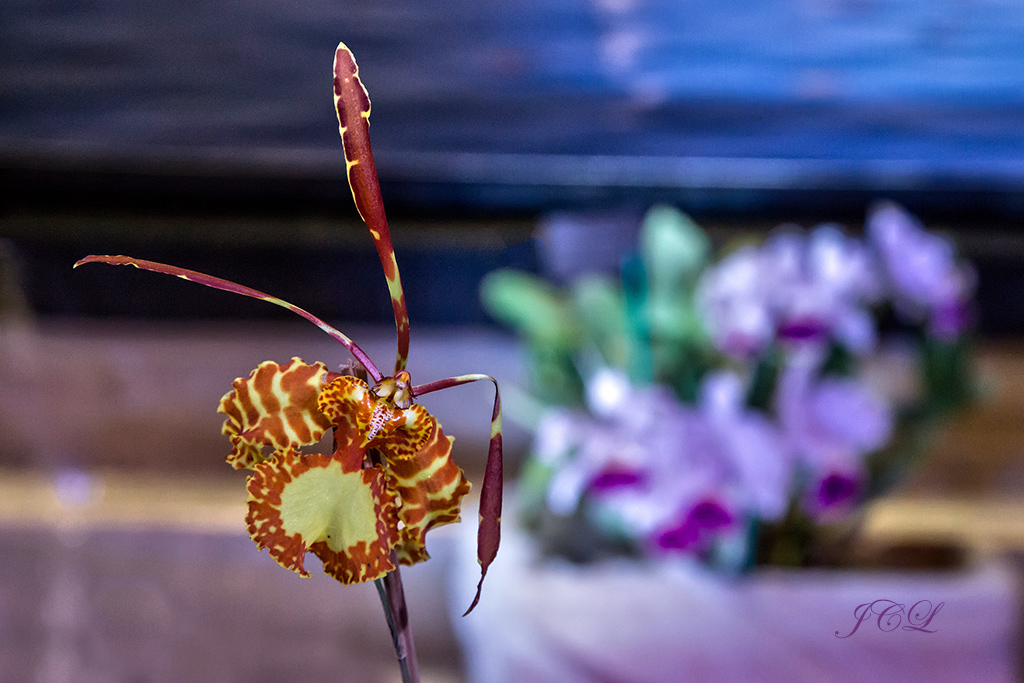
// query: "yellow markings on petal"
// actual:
[[274, 407], [411, 432], [430, 488], [362, 420], [349, 405], [300, 503], [346, 399]]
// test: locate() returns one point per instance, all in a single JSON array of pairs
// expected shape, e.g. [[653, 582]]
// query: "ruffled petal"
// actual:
[[308, 502], [275, 407], [430, 487], [362, 421]]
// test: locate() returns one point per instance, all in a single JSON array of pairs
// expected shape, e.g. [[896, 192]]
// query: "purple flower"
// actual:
[[757, 460], [655, 466], [617, 476], [833, 424], [797, 287], [837, 490], [822, 282], [734, 308], [927, 282]]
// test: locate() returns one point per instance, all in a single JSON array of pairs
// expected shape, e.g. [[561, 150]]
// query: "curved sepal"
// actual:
[[228, 286], [352, 103], [299, 503], [274, 407]]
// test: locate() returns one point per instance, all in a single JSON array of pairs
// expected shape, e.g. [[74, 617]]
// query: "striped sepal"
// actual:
[[353, 106]]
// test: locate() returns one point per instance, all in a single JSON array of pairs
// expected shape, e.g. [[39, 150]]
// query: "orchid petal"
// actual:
[[413, 432], [275, 406], [489, 532], [431, 487], [362, 421], [309, 502], [352, 103], [351, 407], [228, 286]]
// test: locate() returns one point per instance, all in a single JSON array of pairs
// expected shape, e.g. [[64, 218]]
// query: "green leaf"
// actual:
[[674, 249], [531, 306], [602, 314], [947, 373]]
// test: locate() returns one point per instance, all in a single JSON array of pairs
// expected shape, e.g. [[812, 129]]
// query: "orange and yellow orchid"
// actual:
[[367, 506]]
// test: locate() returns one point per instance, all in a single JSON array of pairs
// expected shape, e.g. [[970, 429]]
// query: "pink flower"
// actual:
[[672, 476]]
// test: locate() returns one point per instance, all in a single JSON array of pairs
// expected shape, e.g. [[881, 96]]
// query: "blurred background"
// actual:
[[202, 134]]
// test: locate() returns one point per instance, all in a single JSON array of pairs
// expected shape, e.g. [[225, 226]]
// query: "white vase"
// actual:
[[653, 622]]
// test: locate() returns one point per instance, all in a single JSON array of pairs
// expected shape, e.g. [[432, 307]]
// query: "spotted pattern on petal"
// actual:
[[300, 503], [430, 487], [349, 405], [412, 433], [275, 407], [363, 421]]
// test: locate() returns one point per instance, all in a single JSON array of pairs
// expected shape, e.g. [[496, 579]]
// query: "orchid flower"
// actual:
[[366, 507], [671, 475], [833, 424], [926, 278], [795, 287], [821, 283]]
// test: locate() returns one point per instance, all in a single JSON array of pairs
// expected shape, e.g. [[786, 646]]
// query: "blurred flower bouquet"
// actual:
[[723, 407]]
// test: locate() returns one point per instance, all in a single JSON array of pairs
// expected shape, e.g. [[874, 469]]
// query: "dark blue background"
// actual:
[[739, 110], [526, 103]]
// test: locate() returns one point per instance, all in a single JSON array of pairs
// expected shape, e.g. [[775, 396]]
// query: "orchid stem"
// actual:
[[392, 598]]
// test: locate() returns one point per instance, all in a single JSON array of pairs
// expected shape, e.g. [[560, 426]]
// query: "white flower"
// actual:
[[734, 309]]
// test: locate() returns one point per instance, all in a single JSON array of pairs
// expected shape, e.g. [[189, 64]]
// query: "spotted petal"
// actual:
[[275, 407], [363, 421], [308, 502]]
